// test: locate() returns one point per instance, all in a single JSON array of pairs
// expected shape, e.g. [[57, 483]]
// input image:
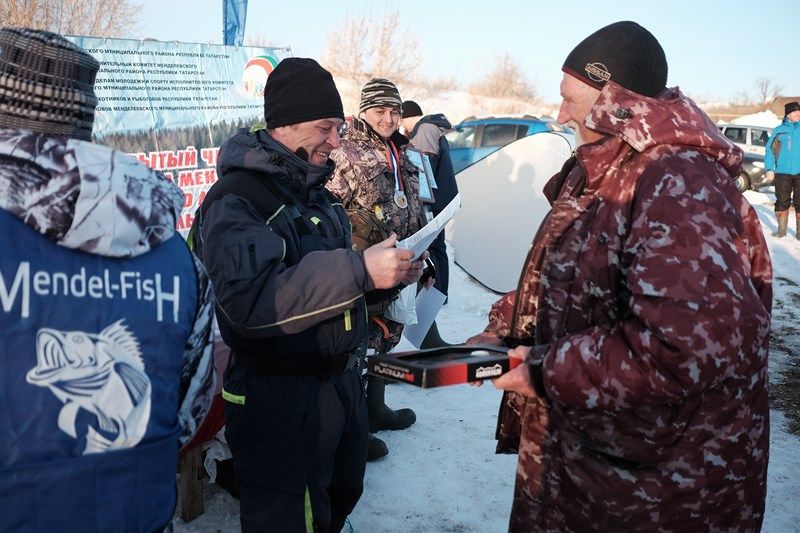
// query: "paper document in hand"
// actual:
[[420, 241], [429, 302]]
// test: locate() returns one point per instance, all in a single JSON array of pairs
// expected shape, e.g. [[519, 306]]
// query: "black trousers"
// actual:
[[787, 192], [299, 446], [438, 252]]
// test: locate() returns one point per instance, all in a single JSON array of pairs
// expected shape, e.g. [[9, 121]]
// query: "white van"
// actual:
[[751, 139]]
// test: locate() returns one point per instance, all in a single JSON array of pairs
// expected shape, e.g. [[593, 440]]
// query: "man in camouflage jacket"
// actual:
[[364, 177], [643, 315], [374, 175]]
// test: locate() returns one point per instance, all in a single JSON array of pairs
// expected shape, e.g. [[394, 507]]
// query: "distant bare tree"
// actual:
[[368, 45], [766, 89], [98, 18], [741, 98], [506, 80]]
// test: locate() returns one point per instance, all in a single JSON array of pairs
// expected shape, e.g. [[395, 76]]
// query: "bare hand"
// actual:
[[414, 272], [485, 337], [518, 379], [386, 265]]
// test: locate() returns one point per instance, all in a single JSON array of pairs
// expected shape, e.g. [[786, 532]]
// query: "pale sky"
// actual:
[[714, 48]]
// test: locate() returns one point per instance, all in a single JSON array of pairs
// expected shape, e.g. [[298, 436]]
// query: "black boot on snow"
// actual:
[[376, 448], [433, 339], [380, 415]]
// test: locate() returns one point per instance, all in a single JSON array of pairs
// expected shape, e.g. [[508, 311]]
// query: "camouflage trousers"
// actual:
[[383, 342]]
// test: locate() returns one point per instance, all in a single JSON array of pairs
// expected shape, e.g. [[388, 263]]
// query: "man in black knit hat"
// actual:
[[642, 316], [289, 291]]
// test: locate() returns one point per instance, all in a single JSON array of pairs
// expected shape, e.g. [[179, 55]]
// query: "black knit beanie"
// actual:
[[791, 106], [300, 90], [623, 52], [411, 109]]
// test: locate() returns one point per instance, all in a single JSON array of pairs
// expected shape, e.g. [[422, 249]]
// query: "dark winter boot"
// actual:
[[783, 223], [380, 415], [433, 339], [225, 477], [376, 448]]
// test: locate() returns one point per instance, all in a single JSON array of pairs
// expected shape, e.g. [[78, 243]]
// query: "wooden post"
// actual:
[[191, 485]]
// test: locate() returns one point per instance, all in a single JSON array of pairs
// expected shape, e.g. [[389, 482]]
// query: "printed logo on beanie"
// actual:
[[597, 72], [255, 74]]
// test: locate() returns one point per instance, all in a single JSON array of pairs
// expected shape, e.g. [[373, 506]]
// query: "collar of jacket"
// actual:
[[633, 121], [361, 137], [255, 150], [438, 120], [361, 131]]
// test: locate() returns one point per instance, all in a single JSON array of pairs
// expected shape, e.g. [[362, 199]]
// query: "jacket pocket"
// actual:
[[669, 276], [250, 256], [612, 460]]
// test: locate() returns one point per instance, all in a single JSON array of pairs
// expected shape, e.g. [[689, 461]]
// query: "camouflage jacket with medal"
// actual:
[[364, 179]]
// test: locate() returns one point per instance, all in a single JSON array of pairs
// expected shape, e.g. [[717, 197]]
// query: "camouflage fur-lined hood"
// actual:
[[86, 196], [256, 151], [672, 119]]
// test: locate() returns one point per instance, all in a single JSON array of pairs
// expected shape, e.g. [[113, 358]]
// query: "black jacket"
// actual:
[[286, 280]]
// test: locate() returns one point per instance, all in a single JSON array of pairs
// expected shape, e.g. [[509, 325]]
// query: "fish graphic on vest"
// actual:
[[102, 374]]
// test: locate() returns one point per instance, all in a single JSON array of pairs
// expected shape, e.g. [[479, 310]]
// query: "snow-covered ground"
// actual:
[[442, 474]]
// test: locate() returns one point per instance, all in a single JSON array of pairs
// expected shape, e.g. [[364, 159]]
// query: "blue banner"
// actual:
[[171, 104], [234, 18]]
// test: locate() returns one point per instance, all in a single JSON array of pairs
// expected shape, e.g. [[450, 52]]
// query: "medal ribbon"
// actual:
[[394, 164]]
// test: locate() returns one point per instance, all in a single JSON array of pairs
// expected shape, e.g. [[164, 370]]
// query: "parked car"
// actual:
[[751, 139], [753, 175], [476, 137]]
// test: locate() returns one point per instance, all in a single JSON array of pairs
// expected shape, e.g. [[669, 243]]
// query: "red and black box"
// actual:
[[437, 367]]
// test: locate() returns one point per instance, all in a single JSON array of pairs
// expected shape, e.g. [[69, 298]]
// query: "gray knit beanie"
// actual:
[[380, 92], [46, 84]]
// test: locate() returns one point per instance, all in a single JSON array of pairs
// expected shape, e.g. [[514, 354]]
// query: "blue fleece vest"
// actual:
[[90, 362]]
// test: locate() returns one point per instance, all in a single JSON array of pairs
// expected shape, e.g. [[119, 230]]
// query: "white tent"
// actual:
[[502, 206]]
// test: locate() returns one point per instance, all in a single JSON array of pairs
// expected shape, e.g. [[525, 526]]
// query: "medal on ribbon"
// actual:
[[400, 199]]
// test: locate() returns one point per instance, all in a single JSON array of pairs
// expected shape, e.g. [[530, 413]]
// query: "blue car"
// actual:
[[475, 138]]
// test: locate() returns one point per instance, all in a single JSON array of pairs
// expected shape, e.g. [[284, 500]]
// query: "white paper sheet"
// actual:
[[403, 346], [429, 302], [420, 241]]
